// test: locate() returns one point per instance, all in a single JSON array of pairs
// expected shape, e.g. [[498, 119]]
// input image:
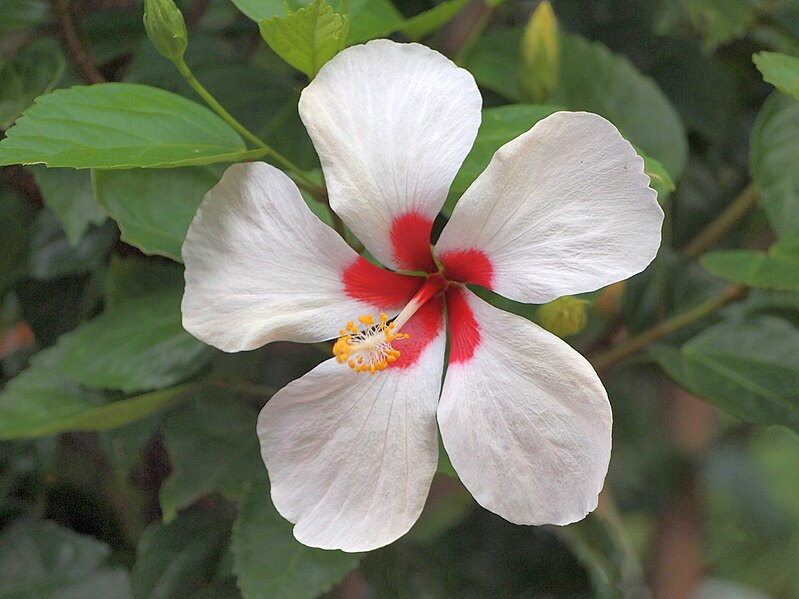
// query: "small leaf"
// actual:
[[776, 269], [270, 563], [781, 70], [175, 560], [308, 38], [68, 193], [749, 369], [213, 449], [45, 561], [32, 72], [153, 208], [368, 18], [137, 347], [773, 155], [120, 125]]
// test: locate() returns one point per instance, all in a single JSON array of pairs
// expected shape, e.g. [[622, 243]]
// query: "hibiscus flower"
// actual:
[[352, 446]]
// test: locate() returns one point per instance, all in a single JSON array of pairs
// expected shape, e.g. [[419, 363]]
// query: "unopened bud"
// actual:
[[166, 28], [563, 317], [540, 54]]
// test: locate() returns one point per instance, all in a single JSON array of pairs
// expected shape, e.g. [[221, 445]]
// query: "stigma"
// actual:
[[366, 346]]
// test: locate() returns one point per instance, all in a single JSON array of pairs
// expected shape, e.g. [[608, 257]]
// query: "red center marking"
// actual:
[[422, 329], [383, 289], [464, 330], [410, 240], [468, 266]]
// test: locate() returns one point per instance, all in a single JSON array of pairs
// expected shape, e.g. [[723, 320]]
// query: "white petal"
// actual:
[[261, 267], [524, 418], [351, 455], [392, 124], [562, 209]]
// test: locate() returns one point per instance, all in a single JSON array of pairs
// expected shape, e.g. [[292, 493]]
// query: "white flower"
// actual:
[[563, 209]]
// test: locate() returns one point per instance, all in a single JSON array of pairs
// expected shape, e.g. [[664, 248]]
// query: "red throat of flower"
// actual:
[[366, 346]]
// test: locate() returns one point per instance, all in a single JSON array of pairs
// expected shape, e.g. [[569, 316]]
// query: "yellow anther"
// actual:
[[368, 348]]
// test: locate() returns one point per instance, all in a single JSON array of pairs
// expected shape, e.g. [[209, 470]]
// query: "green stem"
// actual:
[[633, 345], [302, 179], [722, 223]]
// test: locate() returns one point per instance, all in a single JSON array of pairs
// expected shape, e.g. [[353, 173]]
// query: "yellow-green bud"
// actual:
[[563, 317], [540, 54], [166, 28]]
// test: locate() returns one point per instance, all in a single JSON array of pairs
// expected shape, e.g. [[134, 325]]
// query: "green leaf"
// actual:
[[594, 79], [51, 256], [31, 73], [271, 564], [45, 561], [41, 401], [774, 154], [499, 126], [749, 369], [213, 449], [153, 208], [23, 13], [495, 62], [659, 178], [137, 347], [308, 38], [68, 193], [119, 125], [776, 269], [427, 22], [720, 21], [176, 560], [504, 123], [131, 278], [781, 70], [36, 401], [368, 18]]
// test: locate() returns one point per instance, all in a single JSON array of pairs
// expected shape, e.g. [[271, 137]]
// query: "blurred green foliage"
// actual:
[[129, 465]]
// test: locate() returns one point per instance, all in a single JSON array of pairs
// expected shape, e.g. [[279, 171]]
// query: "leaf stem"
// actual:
[[299, 176], [722, 224], [605, 360]]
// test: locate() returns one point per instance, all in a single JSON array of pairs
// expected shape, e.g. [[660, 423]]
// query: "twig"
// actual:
[[464, 31], [300, 177], [81, 59], [633, 345], [196, 12], [722, 223]]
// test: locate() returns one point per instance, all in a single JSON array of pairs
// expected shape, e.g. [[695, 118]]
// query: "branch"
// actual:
[[722, 224], [605, 360], [81, 59]]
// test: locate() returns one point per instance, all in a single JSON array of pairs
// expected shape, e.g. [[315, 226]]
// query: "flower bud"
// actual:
[[563, 317], [540, 54], [166, 28]]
